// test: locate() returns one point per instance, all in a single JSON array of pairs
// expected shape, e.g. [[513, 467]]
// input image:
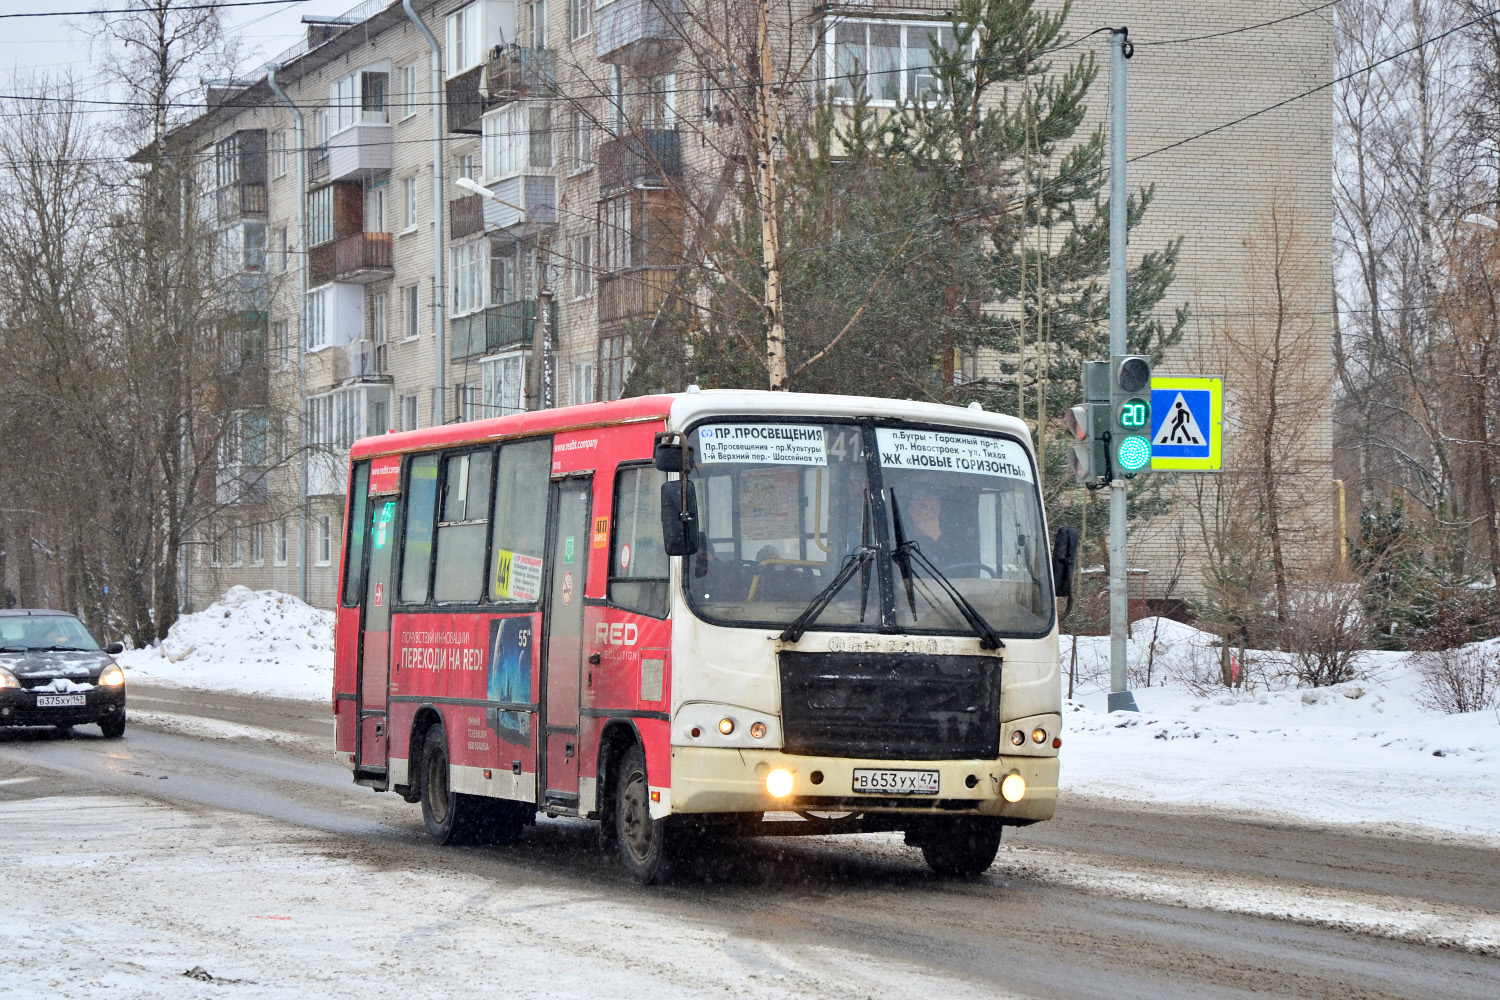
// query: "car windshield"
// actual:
[[783, 506], [45, 632]]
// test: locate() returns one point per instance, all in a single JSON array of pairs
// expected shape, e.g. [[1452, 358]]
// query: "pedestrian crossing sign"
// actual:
[[1187, 417]]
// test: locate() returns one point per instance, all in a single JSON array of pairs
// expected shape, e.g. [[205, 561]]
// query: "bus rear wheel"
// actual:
[[958, 848], [643, 841], [450, 817]]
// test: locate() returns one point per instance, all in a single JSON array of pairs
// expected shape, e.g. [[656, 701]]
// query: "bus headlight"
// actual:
[[1039, 735], [758, 730], [1017, 738], [779, 783], [726, 726], [1012, 788]]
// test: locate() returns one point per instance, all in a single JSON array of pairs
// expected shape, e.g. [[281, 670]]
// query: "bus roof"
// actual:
[[678, 410]]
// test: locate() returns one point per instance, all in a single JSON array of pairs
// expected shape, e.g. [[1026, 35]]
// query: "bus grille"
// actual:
[[891, 706]]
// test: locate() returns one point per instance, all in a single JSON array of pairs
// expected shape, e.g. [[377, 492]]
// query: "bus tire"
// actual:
[[450, 817], [961, 847], [644, 844]]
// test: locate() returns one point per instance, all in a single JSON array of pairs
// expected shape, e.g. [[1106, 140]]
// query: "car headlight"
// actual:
[[8, 679], [112, 677]]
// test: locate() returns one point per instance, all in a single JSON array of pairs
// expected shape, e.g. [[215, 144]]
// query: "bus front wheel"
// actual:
[[962, 847], [450, 817], [643, 841]]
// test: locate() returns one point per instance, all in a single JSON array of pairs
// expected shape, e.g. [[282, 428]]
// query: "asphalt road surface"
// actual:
[[1103, 901]]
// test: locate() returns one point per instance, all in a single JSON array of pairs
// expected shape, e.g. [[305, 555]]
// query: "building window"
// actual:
[[325, 539], [409, 312], [279, 346], [335, 420], [537, 11], [501, 380], [517, 138], [580, 141], [409, 413], [216, 546], [466, 165], [661, 102], [236, 553], [283, 250], [465, 40], [380, 331], [320, 216], [408, 91], [408, 203], [466, 401], [503, 277], [375, 210], [614, 235], [468, 276], [580, 18], [317, 320], [614, 365], [258, 544], [282, 544], [583, 382], [891, 61], [278, 154], [581, 265]]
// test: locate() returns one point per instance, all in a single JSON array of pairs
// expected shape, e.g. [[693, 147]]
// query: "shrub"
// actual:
[[1462, 678]]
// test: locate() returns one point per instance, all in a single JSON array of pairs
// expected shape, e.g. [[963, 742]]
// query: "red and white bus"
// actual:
[[707, 613]]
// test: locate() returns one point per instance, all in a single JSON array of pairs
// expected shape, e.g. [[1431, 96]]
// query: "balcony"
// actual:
[[537, 193], [466, 102], [239, 201], [241, 484], [638, 33], [516, 72], [633, 295], [361, 151], [493, 330], [651, 159], [360, 258], [362, 361], [465, 216], [317, 166]]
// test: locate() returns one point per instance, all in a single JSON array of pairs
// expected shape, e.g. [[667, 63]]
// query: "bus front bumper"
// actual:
[[718, 780]]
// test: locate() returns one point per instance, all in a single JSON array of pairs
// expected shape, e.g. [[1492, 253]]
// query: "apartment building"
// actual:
[[579, 118]]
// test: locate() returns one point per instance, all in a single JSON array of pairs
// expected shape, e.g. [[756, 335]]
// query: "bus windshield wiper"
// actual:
[[857, 561], [908, 550]]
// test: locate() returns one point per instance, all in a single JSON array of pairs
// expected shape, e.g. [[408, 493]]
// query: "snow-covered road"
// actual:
[[208, 840]]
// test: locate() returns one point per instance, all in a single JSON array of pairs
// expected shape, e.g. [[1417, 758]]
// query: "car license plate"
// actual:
[[60, 700], [892, 782]]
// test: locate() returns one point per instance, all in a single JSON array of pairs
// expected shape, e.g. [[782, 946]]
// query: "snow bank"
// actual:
[[1365, 752], [249, 641]]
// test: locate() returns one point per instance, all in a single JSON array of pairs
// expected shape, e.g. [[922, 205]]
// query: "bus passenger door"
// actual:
[[562, 650], [375, 638]]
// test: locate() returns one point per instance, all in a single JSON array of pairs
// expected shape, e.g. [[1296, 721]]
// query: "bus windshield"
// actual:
[[784, 506]]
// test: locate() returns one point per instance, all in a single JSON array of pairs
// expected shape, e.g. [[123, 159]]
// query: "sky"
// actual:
[[68, 42]]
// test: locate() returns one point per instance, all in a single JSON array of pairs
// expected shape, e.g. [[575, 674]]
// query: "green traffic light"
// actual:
[[1134, 453]]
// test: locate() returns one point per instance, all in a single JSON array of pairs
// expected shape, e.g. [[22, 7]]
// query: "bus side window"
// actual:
[[462, 527], [637, 560], [356, 527], [421, 504], [520, 517]]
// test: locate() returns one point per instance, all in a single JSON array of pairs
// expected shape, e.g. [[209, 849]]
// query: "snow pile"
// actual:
[[1362, 752], [249, 641]]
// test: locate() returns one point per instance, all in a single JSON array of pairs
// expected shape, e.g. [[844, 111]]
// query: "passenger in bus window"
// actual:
[[931, 530]]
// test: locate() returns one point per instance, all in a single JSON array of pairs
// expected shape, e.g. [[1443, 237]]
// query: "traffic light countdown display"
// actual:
[[1130, 406]]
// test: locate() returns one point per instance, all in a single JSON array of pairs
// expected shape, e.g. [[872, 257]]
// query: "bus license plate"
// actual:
[[891, 782], [60, 700]]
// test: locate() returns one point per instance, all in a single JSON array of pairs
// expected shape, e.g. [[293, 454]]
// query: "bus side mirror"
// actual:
[[668, 457], [679, 534], [1064, 560]]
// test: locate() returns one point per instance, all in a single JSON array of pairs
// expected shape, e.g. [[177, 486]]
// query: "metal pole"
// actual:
[[1120, 698], [301, 330], [440, 282]]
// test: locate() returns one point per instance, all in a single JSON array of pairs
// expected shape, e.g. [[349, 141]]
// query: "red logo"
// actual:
[[567, 593], [379, 593]]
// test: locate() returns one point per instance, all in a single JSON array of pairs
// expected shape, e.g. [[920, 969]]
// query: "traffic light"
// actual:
[[1089, 424], [1130, 409]]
